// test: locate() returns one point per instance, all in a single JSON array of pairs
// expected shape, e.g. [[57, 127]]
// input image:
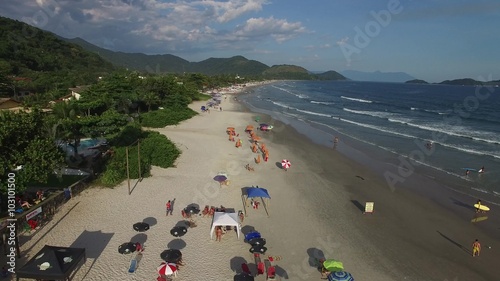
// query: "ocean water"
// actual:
[[393, 121]]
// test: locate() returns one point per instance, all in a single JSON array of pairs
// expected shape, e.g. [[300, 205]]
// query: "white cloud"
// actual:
[[280, 29], [343, 41], [159, 26]]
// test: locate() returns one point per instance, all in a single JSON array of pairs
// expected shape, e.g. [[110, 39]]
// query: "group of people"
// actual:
[[480, 171]]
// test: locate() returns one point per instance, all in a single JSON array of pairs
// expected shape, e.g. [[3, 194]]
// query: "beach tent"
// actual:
[[52, 263], [225, 219], [256, 192]]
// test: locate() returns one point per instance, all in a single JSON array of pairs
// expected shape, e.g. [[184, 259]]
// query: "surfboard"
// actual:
[[481, 207], [478, 219], [469, 169]]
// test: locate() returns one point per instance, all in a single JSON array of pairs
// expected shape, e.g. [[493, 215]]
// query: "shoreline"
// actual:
[[450, 206], [314, 212]]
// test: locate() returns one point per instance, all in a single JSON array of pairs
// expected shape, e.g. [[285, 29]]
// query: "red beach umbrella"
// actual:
[[167, 268], [285, 164]]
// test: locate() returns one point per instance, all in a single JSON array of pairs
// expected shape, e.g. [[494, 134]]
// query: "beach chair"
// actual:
[[270, 271], [260, 265], [184, 214], [245, 269], [205, 211]]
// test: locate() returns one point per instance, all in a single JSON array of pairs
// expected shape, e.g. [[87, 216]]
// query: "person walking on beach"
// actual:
[[478, 209], [169, 208], [476, 248]]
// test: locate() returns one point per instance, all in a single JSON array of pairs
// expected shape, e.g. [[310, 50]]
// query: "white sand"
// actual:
[[101, 219]]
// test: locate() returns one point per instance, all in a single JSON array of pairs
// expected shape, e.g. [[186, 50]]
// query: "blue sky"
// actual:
[[432, 40]]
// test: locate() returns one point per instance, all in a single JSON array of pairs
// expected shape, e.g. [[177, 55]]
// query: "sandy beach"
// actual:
[[315, 211]]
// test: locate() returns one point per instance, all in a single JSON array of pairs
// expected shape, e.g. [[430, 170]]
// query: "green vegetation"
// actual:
[[61, 182], [164, 117], [39, 61], [25, 143], [237, 65]]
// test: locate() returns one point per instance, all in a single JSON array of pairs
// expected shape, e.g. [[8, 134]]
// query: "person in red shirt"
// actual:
[[169, 208]]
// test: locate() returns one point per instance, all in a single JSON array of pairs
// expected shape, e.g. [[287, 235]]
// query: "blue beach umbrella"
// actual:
[[340, 276]]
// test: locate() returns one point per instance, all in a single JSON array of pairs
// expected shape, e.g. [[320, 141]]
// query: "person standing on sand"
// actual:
[[476, 248], [218, 233]]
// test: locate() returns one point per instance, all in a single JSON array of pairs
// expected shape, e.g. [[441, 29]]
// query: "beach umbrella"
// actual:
[[178, 231], [167, 268], [333, 265], [249, 128], [258, 249], [171, 255], [220, 179], [192, 208], [285, 164], [126, 248], [141, 226], [340, 276]]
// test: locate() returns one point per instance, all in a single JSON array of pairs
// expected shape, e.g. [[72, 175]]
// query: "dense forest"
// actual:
[[39, 61]]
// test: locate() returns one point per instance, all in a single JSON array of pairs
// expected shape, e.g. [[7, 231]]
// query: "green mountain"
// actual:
[[331, 75], [464, 81], [41, 60], [137, 61], [237, 65]]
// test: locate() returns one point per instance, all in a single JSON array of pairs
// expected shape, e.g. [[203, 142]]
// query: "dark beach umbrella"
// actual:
[[178, 231], [141, 226], [126, 248], [192, 209], [340, 276], [243, 277], [257, 242], [220, 178], [258, 249], [171, 255]]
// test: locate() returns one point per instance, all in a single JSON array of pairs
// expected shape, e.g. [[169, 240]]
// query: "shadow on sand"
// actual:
[[358, 205], [455, 243], [462, 204]]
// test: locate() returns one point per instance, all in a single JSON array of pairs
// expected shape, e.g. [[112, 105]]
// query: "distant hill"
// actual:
[[416, 81], [237, 65], [464, 81], [44, 60], [331, 75], [377, 76]]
